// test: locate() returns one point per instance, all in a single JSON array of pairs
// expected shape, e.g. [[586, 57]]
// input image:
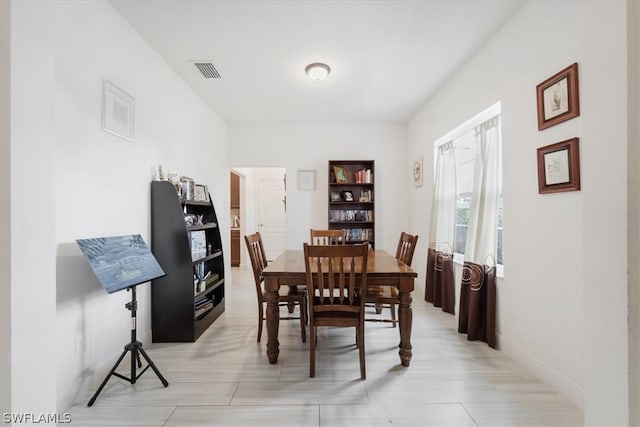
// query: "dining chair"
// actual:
[[294, 296], [327, 237], [336, 277], [382, 297]]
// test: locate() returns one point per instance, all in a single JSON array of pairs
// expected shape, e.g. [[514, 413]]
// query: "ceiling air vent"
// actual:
[[208, 70]]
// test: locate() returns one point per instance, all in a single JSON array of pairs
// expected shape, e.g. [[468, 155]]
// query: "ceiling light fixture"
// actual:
[[317, 71]]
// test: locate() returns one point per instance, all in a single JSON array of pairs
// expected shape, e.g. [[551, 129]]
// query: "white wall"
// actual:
[[633, 79], [304, 147], [605, 210], [563, 298], [78, 181], [33, 286], [5, 210]]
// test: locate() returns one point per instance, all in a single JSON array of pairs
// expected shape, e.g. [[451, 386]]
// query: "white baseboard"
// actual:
[[544, 372]]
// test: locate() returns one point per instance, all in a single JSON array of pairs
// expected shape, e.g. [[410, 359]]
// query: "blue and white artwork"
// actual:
[[120, 261]]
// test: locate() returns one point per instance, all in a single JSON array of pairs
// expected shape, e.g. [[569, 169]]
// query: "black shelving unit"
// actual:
[[356, 217], [181, 310]]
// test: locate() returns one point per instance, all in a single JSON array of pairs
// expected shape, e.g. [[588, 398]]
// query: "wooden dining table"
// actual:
[[383, 269]]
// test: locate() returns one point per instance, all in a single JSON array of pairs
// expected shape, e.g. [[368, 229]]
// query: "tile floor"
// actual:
[[224, 379]]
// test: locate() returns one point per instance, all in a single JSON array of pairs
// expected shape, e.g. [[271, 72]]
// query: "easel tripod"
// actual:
[[135, 347]]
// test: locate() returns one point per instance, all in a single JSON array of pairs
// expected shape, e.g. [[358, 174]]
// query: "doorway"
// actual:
[[261, 208]]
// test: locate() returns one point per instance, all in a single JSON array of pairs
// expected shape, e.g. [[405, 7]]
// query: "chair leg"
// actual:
[[393, 314], [312, 352], [303, 328], [304, 310], [363, 370], [260, 321], [378, 308]]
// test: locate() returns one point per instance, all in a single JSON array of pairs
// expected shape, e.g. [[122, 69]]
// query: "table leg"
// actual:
[[405, 318], [273, 319]]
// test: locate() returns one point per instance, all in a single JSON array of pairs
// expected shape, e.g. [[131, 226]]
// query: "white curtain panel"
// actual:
[[483, 213], [443, 212]]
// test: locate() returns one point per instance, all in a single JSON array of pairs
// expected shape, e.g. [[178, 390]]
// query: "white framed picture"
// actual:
[[307, 180], [117, 111]]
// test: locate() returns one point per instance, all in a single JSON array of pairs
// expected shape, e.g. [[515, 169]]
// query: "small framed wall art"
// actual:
[[416, 172], [558, 98], [559, 167], [307, 180], [117, 111]]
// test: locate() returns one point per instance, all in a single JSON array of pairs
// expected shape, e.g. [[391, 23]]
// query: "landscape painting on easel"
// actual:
[[120, 261]]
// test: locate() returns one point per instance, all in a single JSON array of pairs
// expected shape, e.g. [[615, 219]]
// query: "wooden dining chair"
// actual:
[[288, 296], [382, 297], [336, 277], [327, 237]]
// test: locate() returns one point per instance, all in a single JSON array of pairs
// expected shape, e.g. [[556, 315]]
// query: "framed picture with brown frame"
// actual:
[[341, 175], [559, 167], [558, 98]]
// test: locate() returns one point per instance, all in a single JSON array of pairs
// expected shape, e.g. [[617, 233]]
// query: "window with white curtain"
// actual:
[[463, 140]]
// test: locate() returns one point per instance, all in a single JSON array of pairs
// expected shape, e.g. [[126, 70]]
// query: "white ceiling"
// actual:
[[386, 57]]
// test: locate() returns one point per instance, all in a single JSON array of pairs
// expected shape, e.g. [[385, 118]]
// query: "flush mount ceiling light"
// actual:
[[317, 71]]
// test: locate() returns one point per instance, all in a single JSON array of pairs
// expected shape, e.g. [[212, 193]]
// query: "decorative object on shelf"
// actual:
[[559, 167], [187, 187], [117, 111], [317, 71], [341, 175], [416, 171], [198, 245], [174, 179], [201, 193], [558, 98], [348, 196], [307, 180], [157, 173], [335, 196]]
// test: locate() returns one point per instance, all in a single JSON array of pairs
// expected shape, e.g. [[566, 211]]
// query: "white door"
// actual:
[[272, 216]]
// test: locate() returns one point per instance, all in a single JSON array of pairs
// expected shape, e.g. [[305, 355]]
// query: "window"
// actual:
[[463, 139]]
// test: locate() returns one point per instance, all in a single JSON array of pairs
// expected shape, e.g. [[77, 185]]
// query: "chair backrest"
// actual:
[[406, 247], [327, 237], [258, 259], [336, 277]]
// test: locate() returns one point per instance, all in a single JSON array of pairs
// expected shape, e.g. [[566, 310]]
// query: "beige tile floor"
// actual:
[[224, 379]]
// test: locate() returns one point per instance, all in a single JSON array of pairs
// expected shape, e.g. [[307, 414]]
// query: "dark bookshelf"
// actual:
[[182, 306], [355, 213]]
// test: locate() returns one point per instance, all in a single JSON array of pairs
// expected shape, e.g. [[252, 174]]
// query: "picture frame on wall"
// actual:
[[416, 172], [559, 167], [307, 180], [118, 108], [558, 98]]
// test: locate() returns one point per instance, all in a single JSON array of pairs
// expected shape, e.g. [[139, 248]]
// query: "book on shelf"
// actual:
[[358, 234], [349, 215], [363, 176]]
